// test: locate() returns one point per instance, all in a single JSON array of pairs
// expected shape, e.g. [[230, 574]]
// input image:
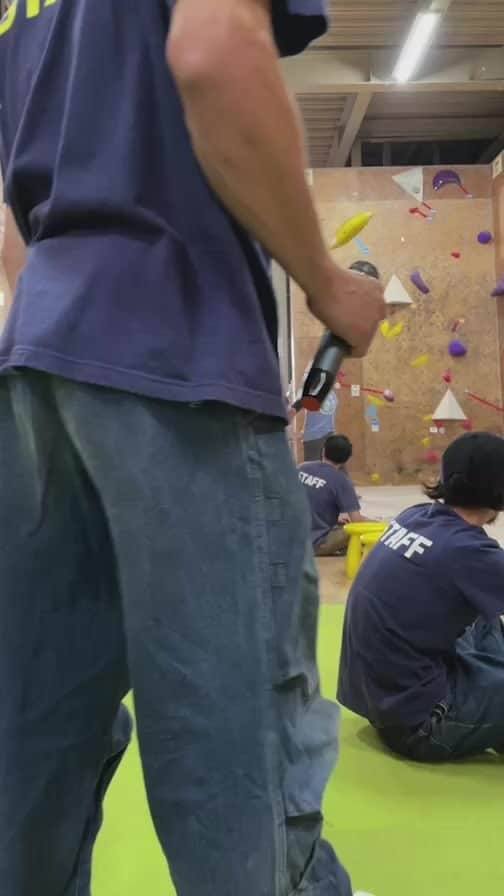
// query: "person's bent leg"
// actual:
[[221, 604], [335, 543], [471, 719], [475, 721], [62, 657]]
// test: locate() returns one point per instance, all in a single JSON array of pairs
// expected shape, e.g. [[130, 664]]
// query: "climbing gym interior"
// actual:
[[434, 371], [402, 102]]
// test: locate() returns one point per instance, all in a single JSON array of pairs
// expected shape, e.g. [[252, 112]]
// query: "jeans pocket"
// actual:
[[311, 754]]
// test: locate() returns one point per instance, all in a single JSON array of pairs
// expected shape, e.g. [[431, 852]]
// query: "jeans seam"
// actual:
[[254, 465]]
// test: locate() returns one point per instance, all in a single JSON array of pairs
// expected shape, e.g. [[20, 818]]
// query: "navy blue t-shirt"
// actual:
[[330, 492], [136, 276], [431, 576]]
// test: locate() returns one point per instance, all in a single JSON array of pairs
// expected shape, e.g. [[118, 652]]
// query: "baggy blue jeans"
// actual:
[[162, 547]]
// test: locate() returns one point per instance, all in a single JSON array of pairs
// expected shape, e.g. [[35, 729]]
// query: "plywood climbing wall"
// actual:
[[400, 243]]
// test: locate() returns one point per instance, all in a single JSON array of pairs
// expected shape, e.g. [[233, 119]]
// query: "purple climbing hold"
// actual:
[[457, 349], [418, 281], [485, 237], [442, 178], [499, 289], [448, 176]]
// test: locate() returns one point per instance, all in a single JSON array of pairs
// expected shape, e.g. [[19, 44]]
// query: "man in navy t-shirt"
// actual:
[[152, 163], [423, 642], [330, 493]]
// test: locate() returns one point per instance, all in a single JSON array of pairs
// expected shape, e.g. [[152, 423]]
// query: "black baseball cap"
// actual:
[[472, 472]]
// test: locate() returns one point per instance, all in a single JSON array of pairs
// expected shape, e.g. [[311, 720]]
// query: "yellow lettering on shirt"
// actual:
[[33, 9], [9, 18]]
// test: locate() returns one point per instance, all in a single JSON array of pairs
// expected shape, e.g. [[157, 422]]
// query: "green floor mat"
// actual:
[[401, 829]]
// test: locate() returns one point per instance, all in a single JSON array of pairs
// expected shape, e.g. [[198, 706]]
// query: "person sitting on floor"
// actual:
[[331, 494], [423, 642]]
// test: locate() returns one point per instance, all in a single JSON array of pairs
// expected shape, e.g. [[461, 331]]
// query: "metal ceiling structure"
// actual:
[[344, 82]]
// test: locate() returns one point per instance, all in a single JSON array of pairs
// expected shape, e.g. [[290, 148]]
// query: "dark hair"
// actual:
[[459, 491], [472, 473], [338, 449], [434, 492]]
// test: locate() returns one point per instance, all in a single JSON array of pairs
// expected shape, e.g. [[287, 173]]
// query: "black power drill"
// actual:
[[331, 353]]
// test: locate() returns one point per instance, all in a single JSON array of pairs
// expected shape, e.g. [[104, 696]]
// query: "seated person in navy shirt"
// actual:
[[423, 642], [331, 493]]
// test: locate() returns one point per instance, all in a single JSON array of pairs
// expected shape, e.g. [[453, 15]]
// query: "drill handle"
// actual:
[[321, 378]]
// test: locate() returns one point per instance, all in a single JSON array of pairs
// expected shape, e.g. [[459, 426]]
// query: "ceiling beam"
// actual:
[[347, 111], [357, 154], [439, 128], [493, 151], [340, 72], [339, 157], [333, 152]]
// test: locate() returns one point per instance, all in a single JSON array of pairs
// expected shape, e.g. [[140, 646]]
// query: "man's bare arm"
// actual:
[[247, 138], [357, 517], [14, 251]]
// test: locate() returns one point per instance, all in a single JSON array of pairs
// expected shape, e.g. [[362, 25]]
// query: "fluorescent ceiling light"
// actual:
[[416, 46]]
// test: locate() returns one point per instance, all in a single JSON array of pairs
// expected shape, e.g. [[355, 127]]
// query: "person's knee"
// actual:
[[335, 543]]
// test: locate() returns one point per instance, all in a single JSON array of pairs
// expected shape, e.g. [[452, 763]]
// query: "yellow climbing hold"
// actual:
[[396, 331], [375, 477], [426, 443], [391, 332], [351, 228], [427, 418], [377, 402], [421, 361]]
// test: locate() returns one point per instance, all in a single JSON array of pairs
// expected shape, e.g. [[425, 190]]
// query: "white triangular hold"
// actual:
[[412, 182], [396, 293], [449, 408]]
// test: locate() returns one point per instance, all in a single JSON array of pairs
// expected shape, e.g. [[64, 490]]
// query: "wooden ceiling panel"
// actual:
[[473, 23], [383, 23], [367, 23]]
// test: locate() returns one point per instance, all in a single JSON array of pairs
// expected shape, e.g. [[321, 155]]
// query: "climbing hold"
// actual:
[[418, 281], [446, 177], [421, 361], [457, 349], [350, 229]]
